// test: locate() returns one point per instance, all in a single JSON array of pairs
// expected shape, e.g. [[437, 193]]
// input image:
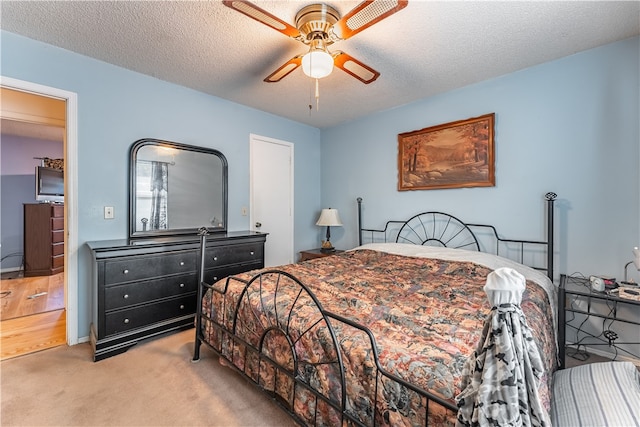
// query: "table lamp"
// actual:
[[328, 217]]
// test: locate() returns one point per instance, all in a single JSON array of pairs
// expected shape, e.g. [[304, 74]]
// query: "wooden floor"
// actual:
[[23, 296], [32, 314], [26, 334]]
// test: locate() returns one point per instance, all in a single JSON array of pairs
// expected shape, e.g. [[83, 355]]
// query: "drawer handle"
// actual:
[[215, 258], [126, 320], [181, 306], [215, 278], [182, 285], [252, 252], [126, 296], [181, 262], [125, 272]]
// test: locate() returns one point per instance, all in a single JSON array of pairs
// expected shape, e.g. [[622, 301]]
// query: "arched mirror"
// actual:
[[176, 189]]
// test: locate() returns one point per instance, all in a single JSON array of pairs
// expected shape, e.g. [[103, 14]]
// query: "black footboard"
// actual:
[[274, 331]]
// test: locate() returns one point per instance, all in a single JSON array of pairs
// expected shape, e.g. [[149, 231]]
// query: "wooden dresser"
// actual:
[[43, 239], [143, 288]]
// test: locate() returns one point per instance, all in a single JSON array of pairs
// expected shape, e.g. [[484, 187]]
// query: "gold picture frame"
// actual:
[[452, 155]]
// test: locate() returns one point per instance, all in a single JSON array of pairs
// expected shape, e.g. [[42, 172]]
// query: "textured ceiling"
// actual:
[[427, 48]]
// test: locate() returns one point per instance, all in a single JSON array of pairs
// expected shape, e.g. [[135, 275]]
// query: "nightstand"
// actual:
[[316, 253], [614, 313]]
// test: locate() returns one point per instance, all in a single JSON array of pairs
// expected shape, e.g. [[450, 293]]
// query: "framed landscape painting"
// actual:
[[452, 155]]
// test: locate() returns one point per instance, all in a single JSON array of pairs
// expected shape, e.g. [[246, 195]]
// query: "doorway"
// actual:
[[44, 294], [271, 196]]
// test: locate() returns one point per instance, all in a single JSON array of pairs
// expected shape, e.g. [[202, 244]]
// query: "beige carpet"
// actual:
[[153, 384]]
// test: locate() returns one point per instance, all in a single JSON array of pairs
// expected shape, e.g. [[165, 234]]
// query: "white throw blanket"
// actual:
[[500, 380]]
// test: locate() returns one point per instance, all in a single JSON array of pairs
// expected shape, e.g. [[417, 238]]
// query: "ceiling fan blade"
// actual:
[[365, 15], [357, 69], [261, 15], [284, 70]]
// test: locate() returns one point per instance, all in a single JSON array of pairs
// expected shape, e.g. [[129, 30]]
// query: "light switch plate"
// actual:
[[108, 212]]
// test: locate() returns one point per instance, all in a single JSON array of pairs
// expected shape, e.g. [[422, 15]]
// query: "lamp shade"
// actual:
[[317, 63], [329, 217]]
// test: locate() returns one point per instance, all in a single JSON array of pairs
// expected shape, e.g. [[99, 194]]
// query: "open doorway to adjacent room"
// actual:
[[33, 281]]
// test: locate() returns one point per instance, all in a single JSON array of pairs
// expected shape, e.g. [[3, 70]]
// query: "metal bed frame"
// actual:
[[297, 373]]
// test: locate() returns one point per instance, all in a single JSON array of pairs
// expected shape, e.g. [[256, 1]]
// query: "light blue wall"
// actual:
[[570, 126], [117, 107]]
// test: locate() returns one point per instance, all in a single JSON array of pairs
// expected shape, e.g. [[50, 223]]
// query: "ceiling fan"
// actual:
[[319, 26]]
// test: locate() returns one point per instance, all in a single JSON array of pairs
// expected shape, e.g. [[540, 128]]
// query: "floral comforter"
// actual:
[[426, 316]]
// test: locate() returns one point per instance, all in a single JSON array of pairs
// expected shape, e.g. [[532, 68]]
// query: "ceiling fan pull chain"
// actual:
[[310, 102], [317, 94]]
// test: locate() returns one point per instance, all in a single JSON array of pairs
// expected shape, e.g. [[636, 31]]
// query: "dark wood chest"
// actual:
[[43, 239]]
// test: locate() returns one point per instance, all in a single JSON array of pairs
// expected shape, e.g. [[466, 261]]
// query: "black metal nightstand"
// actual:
[[576, 292]]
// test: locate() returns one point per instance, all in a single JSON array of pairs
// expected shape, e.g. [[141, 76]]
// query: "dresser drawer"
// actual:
[[57, 261], [138, 317], [57, 224], [143, 292], [233, 254], [146, 267], [57, 236], [212, 275], [57, 249], [57, 211]]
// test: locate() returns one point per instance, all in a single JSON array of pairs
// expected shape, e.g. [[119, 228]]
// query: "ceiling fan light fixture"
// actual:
[[319, 25], [318, 62]]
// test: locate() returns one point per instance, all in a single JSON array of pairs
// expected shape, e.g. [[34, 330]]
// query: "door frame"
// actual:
[[254, 138], [70, 202]]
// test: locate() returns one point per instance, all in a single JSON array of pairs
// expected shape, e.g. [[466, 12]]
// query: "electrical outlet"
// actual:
[[108, 212]]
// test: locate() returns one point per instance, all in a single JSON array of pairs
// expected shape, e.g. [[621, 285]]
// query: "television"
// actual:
[[49, 185]]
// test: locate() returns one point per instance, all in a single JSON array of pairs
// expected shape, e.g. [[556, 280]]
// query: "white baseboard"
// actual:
[[606, 354], [10, 269]]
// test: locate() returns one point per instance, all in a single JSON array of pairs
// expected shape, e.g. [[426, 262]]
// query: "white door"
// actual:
[[271, 197]]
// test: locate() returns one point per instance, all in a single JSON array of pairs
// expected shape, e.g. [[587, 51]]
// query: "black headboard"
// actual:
[[434, 228]]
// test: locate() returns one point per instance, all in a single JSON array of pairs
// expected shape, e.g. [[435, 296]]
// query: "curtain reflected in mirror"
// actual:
[[152, 194], [159, 195], [176, 189]]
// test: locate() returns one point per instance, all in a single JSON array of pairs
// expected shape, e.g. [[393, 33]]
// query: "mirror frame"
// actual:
[[133, 152]]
